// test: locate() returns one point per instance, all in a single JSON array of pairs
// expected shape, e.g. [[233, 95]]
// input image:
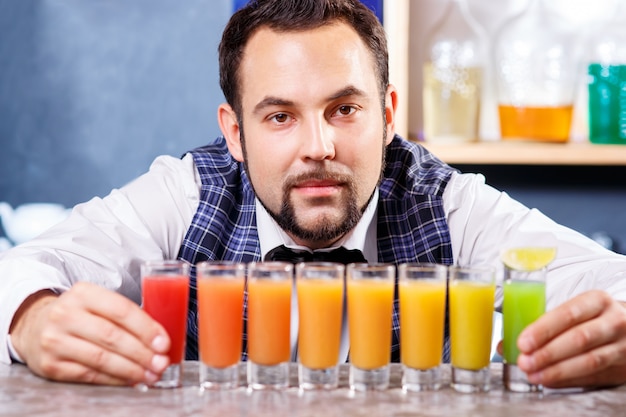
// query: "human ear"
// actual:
[[229, 125], [391, 104]]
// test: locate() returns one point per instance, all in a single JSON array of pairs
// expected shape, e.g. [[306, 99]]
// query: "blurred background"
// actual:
[[92, 91]]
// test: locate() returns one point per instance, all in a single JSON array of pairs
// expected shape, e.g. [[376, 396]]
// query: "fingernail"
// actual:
[[524, 362], [159, 344], [150, 377], [159, 363], [524, 343], [535, 378]]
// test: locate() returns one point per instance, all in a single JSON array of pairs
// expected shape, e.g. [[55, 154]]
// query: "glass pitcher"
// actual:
[[452, 76], [535, 62]]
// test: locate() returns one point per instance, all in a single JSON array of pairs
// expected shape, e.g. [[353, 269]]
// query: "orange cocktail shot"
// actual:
[[165, 297], [220, 322], [422, 290], [370, 306], [320, 309], [269, 324]]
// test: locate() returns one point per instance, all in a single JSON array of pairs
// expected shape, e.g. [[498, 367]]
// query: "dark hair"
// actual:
[[296, 15]]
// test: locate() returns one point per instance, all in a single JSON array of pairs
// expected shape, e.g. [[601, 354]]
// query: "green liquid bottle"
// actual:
[[607, 103], [606, 79]]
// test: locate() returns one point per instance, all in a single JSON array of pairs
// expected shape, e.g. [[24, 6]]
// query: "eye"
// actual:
[[345, 110], [280, 118]]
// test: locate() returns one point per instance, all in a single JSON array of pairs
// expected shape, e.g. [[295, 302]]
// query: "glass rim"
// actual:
[[220, 265], [422, 266], [320, 266], [370, 266], [165, 262], [270, 270], [367, 271], [422, 272], [464, 273], [166, 267]]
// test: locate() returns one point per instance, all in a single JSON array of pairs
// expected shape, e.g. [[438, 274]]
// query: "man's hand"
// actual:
[[581, 343], [89, 334]]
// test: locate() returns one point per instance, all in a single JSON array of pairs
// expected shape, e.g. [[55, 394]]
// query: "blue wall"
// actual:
[[376, 5], [92, 90]]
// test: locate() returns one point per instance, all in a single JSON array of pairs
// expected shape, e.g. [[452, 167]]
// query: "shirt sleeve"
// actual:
[[484, 221], [104, 240]]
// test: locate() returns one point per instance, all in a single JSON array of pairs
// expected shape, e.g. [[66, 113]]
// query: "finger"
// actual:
[[74, 369], [60, 346], [575, 311], [95, 338], [126, 314], [599, 367], [75, 372], [576, 341]]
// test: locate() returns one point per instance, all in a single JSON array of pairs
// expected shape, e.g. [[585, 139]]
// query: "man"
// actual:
[[309, 160]]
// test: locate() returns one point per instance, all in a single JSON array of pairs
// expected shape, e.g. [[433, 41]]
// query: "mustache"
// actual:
[[316, 175]]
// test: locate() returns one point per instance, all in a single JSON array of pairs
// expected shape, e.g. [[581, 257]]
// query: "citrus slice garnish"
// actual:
[[528, 258]]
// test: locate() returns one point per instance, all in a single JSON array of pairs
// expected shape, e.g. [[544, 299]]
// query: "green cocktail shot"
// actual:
[[524, 301]]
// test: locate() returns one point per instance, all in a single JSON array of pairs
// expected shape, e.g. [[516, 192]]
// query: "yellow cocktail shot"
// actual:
[[472, 296]]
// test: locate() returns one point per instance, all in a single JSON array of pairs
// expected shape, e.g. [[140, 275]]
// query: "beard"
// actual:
[[325, 229]]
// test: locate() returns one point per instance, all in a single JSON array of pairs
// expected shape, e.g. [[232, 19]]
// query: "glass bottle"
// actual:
[[606, 81], [452, 76], [536, 72]]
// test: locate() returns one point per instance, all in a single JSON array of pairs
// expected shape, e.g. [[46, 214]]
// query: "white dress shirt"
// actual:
[[105, 239]]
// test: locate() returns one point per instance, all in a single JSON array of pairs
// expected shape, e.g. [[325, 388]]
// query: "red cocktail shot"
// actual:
[[165, 293]]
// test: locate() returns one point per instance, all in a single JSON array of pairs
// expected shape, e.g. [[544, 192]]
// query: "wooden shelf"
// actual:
[[529, 153]]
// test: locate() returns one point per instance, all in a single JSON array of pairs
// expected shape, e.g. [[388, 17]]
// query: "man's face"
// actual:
[[314, 129]]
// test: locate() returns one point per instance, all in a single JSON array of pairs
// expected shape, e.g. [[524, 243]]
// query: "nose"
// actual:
[[319, 143]]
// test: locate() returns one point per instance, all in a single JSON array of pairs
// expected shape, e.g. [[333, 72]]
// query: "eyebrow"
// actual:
[[277, 101]]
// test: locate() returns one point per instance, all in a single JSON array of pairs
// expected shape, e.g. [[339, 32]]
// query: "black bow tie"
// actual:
[[341, 255]]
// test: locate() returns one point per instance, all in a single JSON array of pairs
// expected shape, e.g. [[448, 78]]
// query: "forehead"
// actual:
[[301, 62]]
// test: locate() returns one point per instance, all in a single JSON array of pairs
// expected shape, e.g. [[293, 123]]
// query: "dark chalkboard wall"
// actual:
[[92, 90]]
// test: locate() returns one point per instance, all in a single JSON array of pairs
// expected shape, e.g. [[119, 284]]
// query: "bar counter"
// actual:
[[24, 394]]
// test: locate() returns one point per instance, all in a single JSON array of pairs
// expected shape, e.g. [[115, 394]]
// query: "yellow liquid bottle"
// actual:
[[452, 77]]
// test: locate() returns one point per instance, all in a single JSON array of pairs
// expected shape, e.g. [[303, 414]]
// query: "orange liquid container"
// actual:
[[220, 321], [370, 305], [542, 124], [422, 311], [320, 305], [269, 321]]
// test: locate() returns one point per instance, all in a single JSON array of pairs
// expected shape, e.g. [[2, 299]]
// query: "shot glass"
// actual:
[[165, 294], [471, 297], [524, 302], [422, 289], [220, 322], [370, 304], [320, 289], [269, 324]]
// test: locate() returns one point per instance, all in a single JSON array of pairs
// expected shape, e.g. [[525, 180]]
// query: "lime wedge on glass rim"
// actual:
[[528, 258]]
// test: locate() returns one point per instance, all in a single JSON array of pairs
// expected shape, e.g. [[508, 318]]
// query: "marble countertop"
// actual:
[[24, 394]]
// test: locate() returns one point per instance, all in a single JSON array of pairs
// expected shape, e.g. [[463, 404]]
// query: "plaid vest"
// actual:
[[411, 223]]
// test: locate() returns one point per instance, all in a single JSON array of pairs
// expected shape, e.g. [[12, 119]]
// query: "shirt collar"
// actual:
[[362, 237]]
